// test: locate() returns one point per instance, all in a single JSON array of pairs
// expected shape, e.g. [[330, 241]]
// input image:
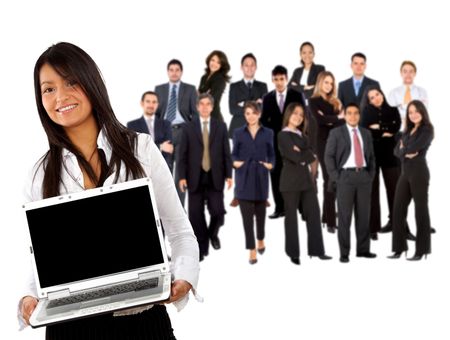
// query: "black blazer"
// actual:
[[389, 120], [295, 174], [215, 86], [314, 71], [191, 154], [239, 92], [271, 116], [187, 100], [419, 142], [327, 121], [162, 128], [346, 91], [338, 150]]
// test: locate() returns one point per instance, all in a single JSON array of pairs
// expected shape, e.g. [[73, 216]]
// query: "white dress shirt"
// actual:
[[150, 120], [397, 95], [351, 162], [178, 230], [304, 77]]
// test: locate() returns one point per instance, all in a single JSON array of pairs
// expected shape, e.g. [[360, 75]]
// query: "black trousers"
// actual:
[[353, 193], [249, 211], [412, 184], [151, 324], [176, 139], [390, 177], [329, 197], [206, 194], [275, 175], [305, 202]]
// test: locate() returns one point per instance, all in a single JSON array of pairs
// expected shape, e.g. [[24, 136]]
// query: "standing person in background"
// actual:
[[253, 157], [413, 182], [215, 79], [204, 166], [297, 185], [304, 78], [159, 129], [350, 162], [89, 148], [247, 89], [401, 96], [383, 121], [177, 104], [326, 109], [352, 89], [274, 105]]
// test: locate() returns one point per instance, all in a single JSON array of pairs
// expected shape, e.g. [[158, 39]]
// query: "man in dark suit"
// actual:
[[350, 162], [352, 89], [178, 106], [159, 129], [273, 107], [204, 164], [247, 89]]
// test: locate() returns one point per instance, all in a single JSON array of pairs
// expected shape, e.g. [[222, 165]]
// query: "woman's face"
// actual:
[[251, 116], [296, 118], [375, 98], [414, 115], [65, 101], [307, 54], [214, 64], [327, 85]]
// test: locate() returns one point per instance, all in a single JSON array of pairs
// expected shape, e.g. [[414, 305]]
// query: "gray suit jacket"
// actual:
[[338, 150], [187, 98]]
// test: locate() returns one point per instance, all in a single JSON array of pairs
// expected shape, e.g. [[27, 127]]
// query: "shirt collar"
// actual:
[[283, 93], [360, 80], [102, 143]]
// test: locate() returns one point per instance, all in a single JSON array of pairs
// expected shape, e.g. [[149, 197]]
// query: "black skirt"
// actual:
[[151, 324]]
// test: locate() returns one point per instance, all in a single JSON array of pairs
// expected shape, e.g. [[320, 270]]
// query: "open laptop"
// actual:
[[97, 251]]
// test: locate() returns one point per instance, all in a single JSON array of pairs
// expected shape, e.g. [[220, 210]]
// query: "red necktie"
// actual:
[[358, 150]]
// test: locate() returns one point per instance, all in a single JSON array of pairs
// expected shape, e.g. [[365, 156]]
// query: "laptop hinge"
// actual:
[[149, 275], [58, 294]]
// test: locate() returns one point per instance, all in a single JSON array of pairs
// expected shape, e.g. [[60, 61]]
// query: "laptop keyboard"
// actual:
[[97, 294]]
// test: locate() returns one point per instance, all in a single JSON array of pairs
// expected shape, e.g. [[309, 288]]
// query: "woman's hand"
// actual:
[[268, 166], [238, 164], [29, 303], [178, 290], [387, 134], [296, 148], [411, 155], [374, 126]]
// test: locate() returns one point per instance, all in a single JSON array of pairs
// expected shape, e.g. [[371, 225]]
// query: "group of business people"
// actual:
[[348, 134]]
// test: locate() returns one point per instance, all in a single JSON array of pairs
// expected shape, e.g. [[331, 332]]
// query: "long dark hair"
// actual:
[[365, 103], [424, 113], [71, 62], [224, 64], [290, 111]]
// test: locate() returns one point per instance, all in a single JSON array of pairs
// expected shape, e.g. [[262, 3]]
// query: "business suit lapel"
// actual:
[[198, 129], [157, 128], [347, 141], [213, 131], [143, 125], [312, 73], [366, 145], [180, 94]]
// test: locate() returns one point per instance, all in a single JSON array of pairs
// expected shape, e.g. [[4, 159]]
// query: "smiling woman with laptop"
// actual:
[[89, 148]]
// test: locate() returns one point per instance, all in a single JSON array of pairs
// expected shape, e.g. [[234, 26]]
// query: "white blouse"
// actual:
[[178, 230]]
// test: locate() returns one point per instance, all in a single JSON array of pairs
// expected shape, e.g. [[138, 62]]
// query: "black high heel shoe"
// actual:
[[295, 260], [261, 250], [396, 255], [417, 257], [322, 257]]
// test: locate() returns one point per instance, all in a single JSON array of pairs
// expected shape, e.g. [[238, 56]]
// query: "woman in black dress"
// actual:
[[215, 79]]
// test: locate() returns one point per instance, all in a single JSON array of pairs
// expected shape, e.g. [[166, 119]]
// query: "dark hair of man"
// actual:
[[351, 105], [205, 95], [422, 109], [74, 64], [224, 64], [306, 43], [410, 63], [252, 105], [248, 55], [359, 55], [279, 70], [152, 93], [175, 62], [290, 109]]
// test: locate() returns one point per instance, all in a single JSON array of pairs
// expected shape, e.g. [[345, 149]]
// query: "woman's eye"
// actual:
[[71, 83], [48, 90]]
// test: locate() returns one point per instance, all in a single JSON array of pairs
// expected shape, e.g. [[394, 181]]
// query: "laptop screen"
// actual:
[[95, 236]]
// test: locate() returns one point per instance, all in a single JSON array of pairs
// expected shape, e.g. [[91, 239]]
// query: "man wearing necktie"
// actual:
[[244, 90], [203, 168], [350, 162], [352, 89]]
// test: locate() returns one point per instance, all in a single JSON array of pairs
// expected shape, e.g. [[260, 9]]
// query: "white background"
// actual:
[[131, 42]]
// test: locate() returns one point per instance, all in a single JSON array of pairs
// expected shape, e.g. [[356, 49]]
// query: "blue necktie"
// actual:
[[357, 86], [172, 107]]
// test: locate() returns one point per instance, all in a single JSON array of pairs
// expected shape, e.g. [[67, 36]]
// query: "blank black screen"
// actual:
[[94, 236]]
